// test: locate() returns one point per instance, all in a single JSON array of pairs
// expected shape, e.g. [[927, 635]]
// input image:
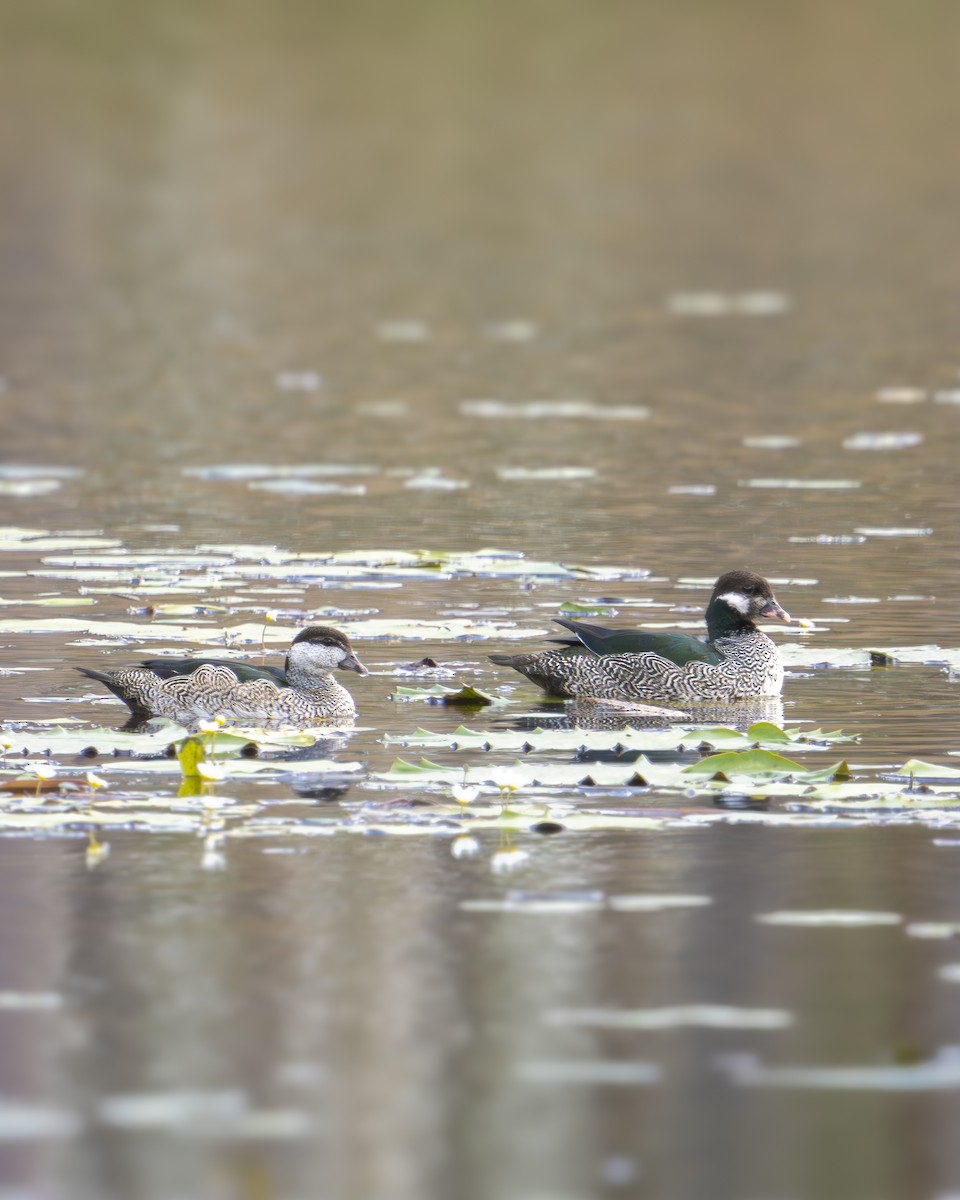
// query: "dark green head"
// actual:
[[739, 599]]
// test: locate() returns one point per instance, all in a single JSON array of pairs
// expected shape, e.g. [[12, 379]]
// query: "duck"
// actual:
[[735, 662], [192, 689]]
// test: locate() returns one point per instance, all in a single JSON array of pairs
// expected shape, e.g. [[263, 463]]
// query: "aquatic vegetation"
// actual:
[[539, 776]]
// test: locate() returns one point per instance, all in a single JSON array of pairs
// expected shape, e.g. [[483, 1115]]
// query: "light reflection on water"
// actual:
[[462, 247]]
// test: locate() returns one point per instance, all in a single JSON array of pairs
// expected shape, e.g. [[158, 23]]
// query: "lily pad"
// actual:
[[939, 1074], [755, 763], [545, 474], [844, 918], [707, 1016], [914, 768]]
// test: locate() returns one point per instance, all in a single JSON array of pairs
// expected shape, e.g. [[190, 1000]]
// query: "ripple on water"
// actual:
[[901, 395], [894, 531], [771, 442], [539, 474], [242, 472], [725, 304], [298, 381], [307, 487], [533, 410], [811, 484], [512, 331], [407, 331], [882, 441]]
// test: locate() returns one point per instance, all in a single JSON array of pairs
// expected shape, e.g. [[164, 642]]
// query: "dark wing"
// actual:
[[679, 648], [167, 668]]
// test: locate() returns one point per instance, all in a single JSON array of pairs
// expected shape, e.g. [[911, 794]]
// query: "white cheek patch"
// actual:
[[737, 601]]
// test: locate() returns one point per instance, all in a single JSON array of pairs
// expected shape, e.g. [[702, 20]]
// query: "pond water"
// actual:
[[628, 294]]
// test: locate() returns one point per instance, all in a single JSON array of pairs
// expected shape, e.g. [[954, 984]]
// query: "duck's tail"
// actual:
[[100, 676], [533, 667], [123, 693], [508, 660]]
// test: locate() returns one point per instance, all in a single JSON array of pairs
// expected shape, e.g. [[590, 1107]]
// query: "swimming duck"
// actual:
[[191, 689], [736, 661]]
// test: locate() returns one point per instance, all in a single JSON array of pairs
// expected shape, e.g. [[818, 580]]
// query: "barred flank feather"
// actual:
[[213, 691], [751, 667]]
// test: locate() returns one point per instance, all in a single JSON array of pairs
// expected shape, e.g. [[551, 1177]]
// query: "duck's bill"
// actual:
[[350, 663], [772, 609]]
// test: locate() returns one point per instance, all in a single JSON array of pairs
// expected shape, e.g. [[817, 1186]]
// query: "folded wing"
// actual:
[[679, 648]]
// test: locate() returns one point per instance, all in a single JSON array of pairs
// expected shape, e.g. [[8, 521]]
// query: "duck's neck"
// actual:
[[724, 621], [306, 676]]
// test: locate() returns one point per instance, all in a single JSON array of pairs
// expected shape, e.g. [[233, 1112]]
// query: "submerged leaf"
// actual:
[[469, 696], [190, 755]]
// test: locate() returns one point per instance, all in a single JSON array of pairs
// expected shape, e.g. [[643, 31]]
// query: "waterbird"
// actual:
[[192, 689], [735, 662]]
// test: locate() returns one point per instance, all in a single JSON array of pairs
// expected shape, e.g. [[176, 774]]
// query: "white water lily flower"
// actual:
[[95, 781], [508, 779], [210, 771], [212, 726], [463, 794], [465, 846]]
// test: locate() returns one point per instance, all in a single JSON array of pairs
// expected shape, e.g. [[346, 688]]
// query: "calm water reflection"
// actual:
[[238, 233]]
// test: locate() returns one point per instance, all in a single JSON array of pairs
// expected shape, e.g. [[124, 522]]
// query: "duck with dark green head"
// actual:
[[191, 689], [736, 662]]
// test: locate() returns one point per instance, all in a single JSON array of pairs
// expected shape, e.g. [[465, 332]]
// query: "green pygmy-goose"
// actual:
[[191, 689], [736, 662]]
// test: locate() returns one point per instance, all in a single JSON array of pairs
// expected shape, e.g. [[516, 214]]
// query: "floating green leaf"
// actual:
[[674, 737], [400, 766], [766, 731], [596, 608], [917, 769], [755, 763]]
